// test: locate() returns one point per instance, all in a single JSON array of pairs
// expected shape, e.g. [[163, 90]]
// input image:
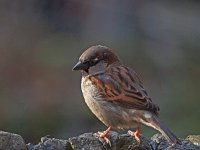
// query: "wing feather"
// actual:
[[122, 85]]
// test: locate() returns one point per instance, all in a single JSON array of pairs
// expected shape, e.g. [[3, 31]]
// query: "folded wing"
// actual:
[[122, 85]]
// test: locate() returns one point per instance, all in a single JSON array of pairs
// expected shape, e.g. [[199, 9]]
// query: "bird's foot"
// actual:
[[135, 134], [104, 135]]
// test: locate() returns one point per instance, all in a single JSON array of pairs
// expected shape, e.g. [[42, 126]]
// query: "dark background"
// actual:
[[41, 40]]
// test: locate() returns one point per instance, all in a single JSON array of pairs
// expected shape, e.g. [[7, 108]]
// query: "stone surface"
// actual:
[[88, 141], [10, 141], [195, 139], [47, 143], [158, 142]]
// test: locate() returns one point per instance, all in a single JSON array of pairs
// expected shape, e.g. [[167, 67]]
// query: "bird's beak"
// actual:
[[81, 66]]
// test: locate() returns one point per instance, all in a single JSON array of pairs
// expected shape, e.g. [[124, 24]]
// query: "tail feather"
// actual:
[[156, 124]]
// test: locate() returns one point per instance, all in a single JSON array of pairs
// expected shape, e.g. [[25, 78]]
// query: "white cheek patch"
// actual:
[[133, 111], [147, 115], [96, 59]]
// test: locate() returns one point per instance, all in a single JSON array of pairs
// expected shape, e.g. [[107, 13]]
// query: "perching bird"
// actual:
[[116, 95]]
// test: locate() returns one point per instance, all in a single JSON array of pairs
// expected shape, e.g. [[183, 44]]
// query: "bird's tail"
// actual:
[[156, 124]]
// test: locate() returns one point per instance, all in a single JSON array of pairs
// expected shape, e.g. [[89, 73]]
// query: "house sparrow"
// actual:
[[116, 95]]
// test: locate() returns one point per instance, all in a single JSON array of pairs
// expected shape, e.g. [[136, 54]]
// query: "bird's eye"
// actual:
[[93, 62]]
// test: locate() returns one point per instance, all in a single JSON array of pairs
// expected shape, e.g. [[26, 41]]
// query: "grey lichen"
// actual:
[[10, 141], [195, 139], [88, 141]]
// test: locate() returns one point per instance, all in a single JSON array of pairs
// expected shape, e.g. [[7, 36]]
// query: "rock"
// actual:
[[158, 142], [50, 144], [10, 141], [195, 139], [88, 141]]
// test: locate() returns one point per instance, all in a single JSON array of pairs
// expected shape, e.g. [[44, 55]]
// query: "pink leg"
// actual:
[[135, 134], [104, 135]]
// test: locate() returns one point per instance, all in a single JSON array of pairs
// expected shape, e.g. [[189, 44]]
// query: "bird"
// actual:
[[116, 95]]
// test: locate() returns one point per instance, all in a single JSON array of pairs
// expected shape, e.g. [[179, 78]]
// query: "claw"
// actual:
[[104, 135], [135, 134]]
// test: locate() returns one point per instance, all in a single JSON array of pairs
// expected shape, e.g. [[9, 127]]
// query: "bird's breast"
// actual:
[[111, 114], [89, 89], [92, 98]]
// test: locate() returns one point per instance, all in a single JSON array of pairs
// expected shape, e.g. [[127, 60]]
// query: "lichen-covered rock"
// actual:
[[47, 143], [158, 142], [88, 141], [10, 141], [195, 139]]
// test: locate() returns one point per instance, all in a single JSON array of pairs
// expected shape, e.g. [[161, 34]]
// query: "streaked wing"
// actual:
[[122, 85]]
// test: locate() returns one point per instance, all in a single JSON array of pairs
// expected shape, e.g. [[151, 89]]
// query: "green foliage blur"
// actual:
[[41, 40]]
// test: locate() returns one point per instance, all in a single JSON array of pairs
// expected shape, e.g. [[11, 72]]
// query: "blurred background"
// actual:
[[41, 40]]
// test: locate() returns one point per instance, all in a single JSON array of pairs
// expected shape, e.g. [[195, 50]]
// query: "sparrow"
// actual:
[[116, 95]]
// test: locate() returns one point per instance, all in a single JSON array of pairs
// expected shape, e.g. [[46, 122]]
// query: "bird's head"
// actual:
[[96, 58]]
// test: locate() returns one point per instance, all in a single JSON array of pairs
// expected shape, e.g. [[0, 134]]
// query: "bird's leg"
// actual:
[[135, 134], [104, 135]]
